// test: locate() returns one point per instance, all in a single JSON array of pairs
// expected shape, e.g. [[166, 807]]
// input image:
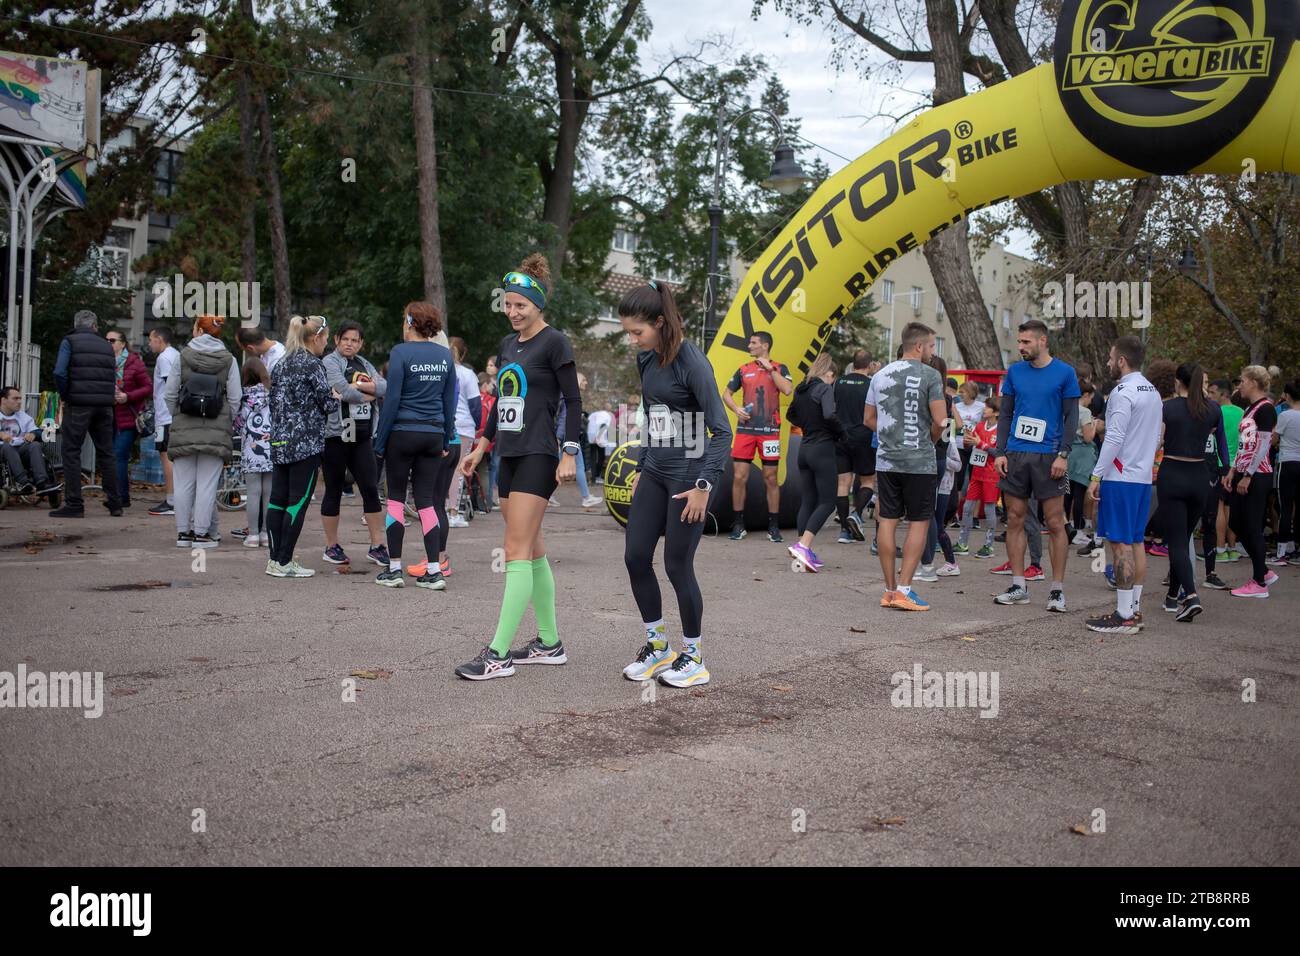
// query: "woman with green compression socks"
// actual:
[[535, 367]]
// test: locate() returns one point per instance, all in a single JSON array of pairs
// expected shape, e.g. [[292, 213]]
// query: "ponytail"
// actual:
[[300, 330], [648, 303], [1192, 377]]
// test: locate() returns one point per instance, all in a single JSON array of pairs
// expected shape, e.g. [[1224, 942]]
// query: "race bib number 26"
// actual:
[[1030, 429]]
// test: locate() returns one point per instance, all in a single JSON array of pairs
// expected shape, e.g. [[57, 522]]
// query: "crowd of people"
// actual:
[[1130, 464]]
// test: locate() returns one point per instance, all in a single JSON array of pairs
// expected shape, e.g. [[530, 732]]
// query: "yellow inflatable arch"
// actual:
[[1137, 87]]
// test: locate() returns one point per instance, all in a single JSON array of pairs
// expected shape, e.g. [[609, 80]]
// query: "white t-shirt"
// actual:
[[467, 388], [16, 426], [1134, 416], [1288, 432], [599, 423], [971, 414], [272, 356], [167, 365]]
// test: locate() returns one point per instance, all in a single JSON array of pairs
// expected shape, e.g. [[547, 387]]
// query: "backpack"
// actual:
[[202, 395]]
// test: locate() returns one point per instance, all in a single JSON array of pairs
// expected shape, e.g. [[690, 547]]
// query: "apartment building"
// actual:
[[907, 292]]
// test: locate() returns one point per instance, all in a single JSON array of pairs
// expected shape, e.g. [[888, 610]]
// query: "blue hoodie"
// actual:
[[421, 394]]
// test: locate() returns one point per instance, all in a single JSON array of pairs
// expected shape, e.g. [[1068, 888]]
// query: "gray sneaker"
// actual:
[[1056, 602], [1016, 594]]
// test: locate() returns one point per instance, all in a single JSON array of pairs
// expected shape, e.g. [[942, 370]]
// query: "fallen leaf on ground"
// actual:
[[198, 660], [783, 688], [697, 692], [971, 639], [1080, 829], [373, 673], [858, 630], [123, 692], [889, 821]]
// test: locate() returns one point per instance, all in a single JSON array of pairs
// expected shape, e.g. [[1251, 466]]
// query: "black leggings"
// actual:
[[655, 514], [1078, 496], [440, 489], [818, 484], [291, 489], [417, 457], [1210, 521], [1288, 486], [1182, 488], [1246, 515], [339, 458]]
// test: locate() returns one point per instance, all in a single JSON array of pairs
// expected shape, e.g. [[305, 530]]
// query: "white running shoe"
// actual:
[[276, 570], [948, 571], [253, 541], [926, 573], [1081, 537], [295, 570], [592, 500], [649, 662], [685, 672], [457, 521]]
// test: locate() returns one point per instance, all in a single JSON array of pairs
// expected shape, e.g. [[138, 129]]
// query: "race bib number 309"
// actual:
[[771, 448]]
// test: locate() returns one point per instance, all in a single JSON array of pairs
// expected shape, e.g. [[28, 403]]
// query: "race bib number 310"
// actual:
[[979, 457], [1030, 429], [510, 414]]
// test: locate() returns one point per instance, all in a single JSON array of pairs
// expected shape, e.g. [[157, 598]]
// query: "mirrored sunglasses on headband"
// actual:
[[527, 281], [324, 324]]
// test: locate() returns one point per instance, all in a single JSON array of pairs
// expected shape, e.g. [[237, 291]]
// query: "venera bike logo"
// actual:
[[1163, 85]]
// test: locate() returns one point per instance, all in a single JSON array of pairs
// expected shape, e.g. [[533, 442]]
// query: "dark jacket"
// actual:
[[138, 387], [813, 410], [86, 369], [301, 403]]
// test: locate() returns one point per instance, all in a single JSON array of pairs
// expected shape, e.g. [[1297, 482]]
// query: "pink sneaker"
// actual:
[[1270, 579], [1250, 590]]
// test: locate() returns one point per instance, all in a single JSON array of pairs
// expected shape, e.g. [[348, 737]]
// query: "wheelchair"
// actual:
[[9, 486]]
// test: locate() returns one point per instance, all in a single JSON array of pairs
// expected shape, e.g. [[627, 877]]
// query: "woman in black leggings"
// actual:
[[301, 402], [418, 421], [813, 410], [348, 445], [1251, 478], [1190, 421], [686, 440]]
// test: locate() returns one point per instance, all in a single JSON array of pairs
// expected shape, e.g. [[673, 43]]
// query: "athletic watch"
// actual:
[[1063, 455], [572, 448], [702, 484]]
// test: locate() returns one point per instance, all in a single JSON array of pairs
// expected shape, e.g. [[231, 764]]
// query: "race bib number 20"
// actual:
[[510, 414], [1030, 429]]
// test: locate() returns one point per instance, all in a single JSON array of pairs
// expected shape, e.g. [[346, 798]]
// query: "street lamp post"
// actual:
[[785, 178]]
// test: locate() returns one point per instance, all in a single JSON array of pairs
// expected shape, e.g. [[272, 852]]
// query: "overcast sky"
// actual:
[[841, 112]]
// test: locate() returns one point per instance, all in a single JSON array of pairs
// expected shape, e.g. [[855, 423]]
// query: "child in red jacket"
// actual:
[[982, 440]]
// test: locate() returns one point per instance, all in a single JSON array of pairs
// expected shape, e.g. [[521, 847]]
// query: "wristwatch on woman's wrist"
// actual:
[[572, 448], [702, 484]]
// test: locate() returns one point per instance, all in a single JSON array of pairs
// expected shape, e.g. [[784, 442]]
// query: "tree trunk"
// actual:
[[948, 254], [558, 210], [435, 291], [248, 239], [275, 215]]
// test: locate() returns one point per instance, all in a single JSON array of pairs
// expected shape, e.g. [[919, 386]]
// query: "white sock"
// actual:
[[1125, 607], [1018, 580], [692, 647], [654, 634], [1058, 586], [394, 564], [1137, 596], [905, 589]]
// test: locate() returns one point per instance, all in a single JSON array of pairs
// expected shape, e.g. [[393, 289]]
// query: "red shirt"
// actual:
[[761, 394], [986, 440]]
